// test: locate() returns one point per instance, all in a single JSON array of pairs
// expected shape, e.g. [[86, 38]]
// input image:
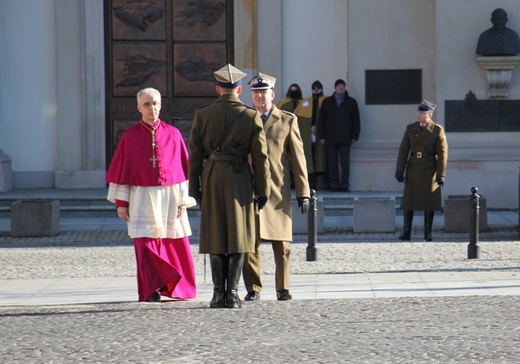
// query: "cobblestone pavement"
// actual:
[[458, 329], [406, 330], [110, 254]]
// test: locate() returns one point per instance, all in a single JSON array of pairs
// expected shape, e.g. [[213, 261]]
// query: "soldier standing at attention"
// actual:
[[222, 136], [423, 154]]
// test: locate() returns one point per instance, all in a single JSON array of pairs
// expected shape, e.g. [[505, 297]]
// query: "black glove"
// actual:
[[198, 198], [440, 180], [303, 204], [399, 176], [261, 201]]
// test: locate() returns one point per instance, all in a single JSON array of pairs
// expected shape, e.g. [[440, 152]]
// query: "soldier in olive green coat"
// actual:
[[223, 134], [424, 155]]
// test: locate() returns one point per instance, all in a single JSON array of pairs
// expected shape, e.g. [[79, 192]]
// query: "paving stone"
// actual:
[[395, 330]]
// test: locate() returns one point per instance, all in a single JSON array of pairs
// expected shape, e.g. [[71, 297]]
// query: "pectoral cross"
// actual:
[[153, 160]]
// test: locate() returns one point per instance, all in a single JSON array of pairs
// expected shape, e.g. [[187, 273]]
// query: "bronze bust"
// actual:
[[498, 40]]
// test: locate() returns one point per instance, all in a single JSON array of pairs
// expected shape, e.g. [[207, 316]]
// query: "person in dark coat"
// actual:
[[421, 165], [223, 134], [338, 129]]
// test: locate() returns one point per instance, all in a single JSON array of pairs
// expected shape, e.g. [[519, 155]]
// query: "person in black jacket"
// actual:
[[338, 129]]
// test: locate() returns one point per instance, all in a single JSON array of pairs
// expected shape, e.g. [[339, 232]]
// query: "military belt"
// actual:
[[420, 155], [224, 157]]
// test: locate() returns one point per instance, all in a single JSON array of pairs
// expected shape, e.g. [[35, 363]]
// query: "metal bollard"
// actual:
[[312, 237], [473, 248]]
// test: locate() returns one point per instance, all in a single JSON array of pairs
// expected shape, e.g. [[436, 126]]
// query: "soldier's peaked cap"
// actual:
[[229, 76], [426, 107], [262, 82]]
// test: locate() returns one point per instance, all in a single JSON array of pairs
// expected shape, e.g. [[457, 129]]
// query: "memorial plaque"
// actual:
[[509, 115], [473, 116], [384, 87], [482, 115]]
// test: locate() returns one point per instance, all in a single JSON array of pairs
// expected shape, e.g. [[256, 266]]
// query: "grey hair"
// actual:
[[146, 91]]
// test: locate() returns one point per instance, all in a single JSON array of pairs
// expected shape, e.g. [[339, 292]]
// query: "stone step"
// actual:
[[73, 211], [69, 206], [94, 204]]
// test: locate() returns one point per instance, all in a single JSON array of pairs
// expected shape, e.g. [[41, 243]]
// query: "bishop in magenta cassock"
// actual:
[[148, 184]]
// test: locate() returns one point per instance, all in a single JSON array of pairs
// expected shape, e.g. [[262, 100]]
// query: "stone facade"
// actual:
[[52, 93]]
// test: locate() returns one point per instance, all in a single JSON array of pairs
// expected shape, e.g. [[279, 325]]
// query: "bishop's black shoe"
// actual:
[[155, 297]]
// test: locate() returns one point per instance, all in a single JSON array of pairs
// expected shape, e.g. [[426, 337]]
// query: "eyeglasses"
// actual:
[[148, 104]]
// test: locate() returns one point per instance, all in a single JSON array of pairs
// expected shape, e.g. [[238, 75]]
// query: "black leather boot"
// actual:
[[235, 263], [407, 225], [428, 223], [218, 274]]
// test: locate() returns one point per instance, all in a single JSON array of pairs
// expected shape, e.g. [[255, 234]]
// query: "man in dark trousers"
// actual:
[[423, 154], [223, 134], [338, 129]]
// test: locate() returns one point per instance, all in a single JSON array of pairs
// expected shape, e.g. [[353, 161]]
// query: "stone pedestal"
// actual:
[[457, 214], [499, 72], [35, 218], [300, 221], [374, 215]]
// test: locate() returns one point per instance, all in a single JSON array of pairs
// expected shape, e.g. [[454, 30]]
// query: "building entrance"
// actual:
[[173, 46]]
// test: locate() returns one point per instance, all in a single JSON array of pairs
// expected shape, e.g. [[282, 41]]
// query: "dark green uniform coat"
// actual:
[[227, 224], [424, 155], [284, 144]]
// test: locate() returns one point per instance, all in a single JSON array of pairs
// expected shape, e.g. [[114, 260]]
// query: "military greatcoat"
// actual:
[[227, 224], [424, 155], [284, 145]]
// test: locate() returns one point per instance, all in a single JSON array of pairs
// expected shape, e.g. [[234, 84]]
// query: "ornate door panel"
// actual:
[[171, 45]]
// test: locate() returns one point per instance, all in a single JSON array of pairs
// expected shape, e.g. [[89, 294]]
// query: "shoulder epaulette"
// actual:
[[288, 113], [250, 107]]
